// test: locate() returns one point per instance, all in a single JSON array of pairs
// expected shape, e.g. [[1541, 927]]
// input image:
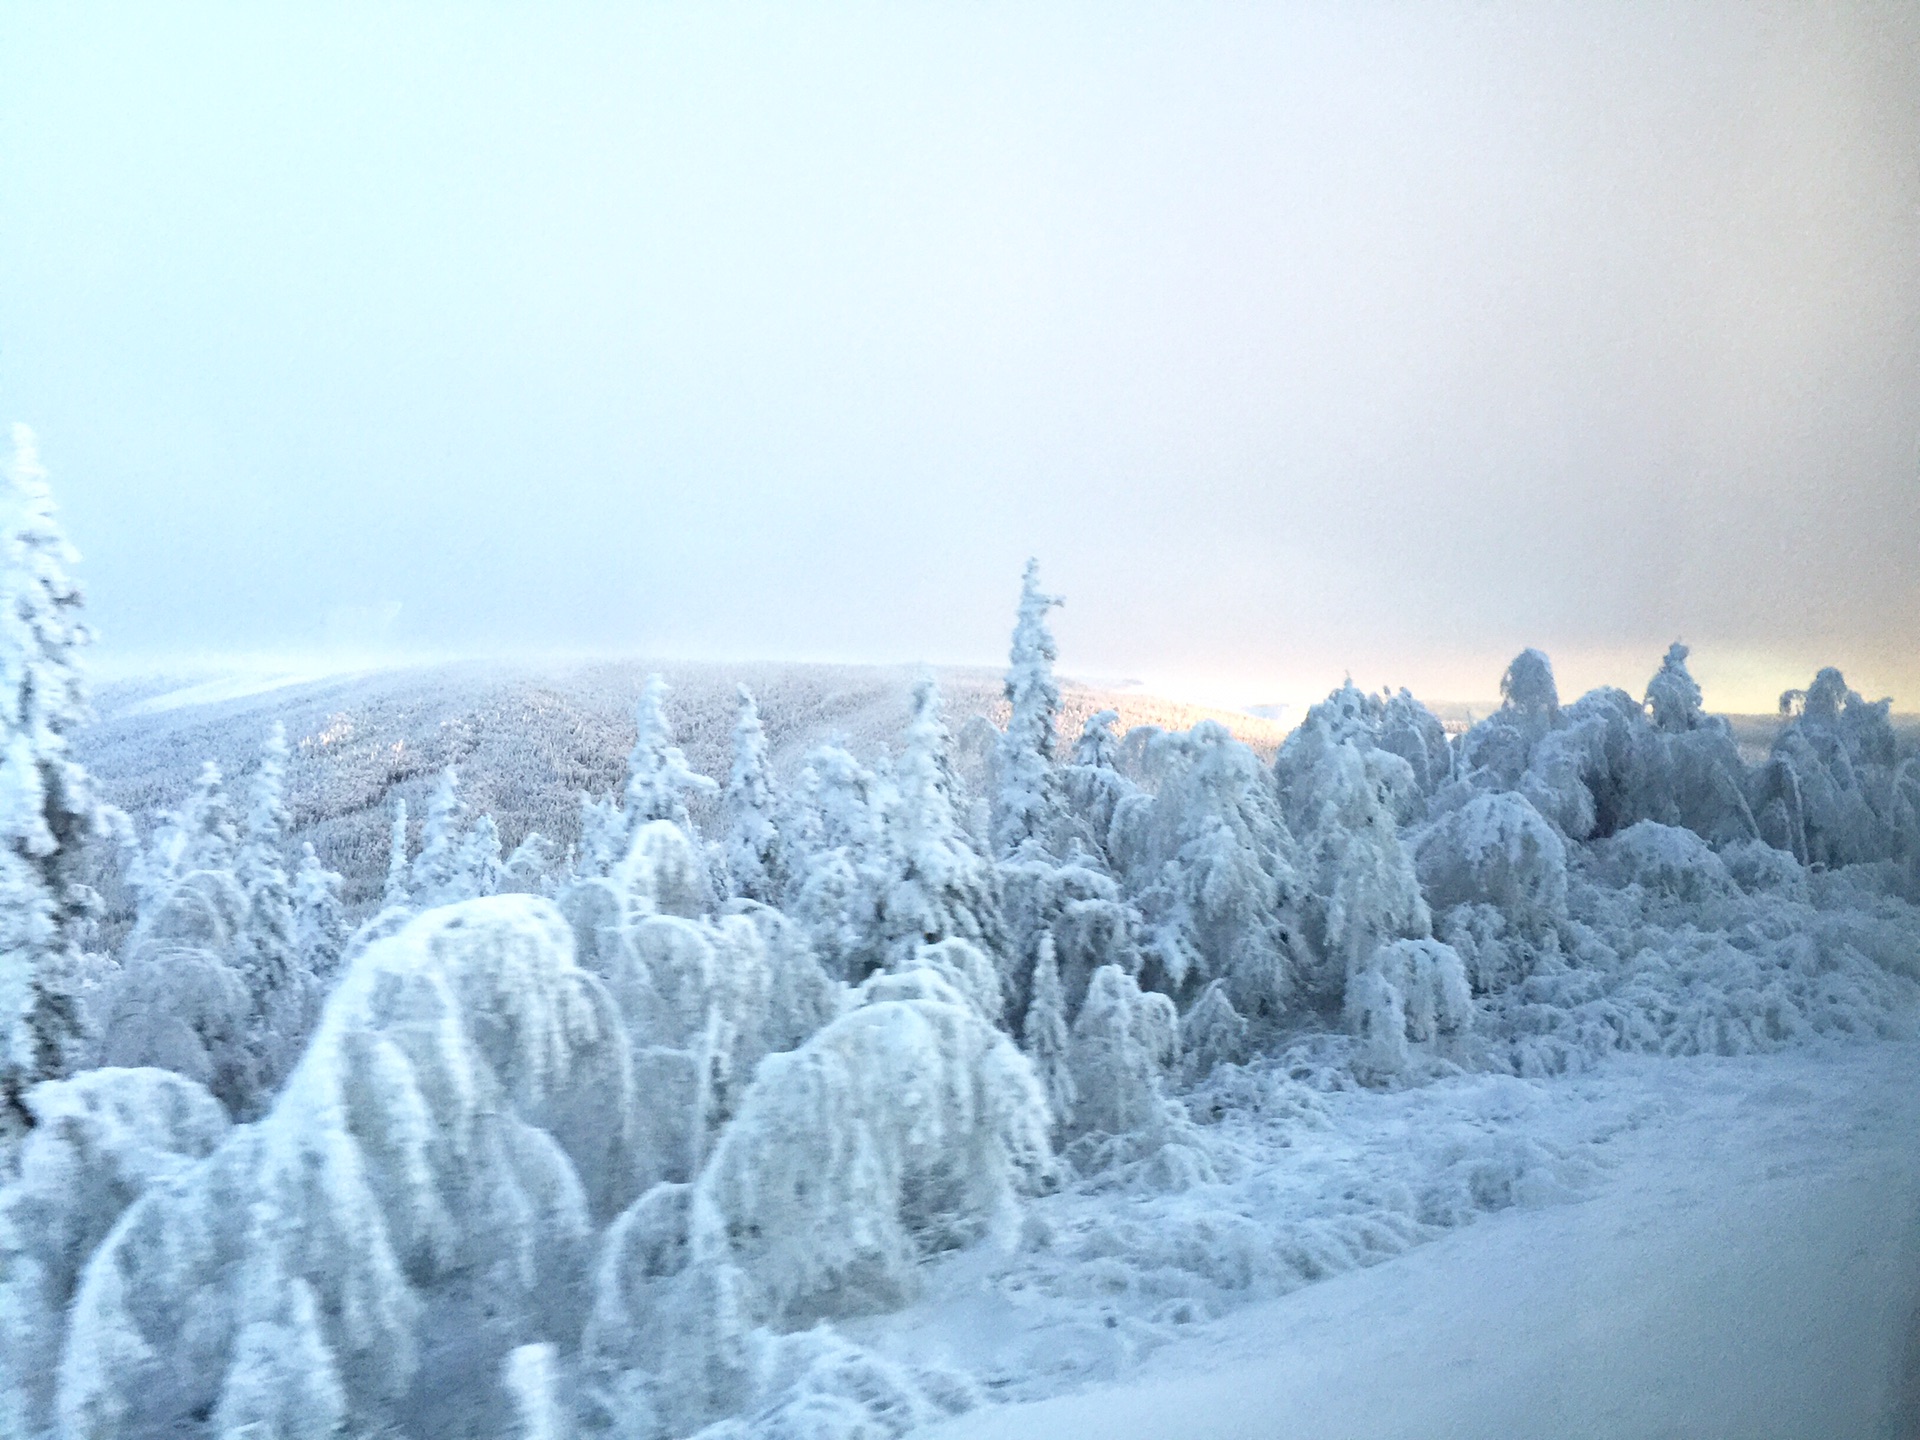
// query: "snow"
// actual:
[[1746, 1262]]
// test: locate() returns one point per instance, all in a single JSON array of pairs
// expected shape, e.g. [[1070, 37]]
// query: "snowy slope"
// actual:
[[1746, 1265]]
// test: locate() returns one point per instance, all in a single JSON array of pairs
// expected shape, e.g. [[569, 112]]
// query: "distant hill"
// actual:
[[527, 738]]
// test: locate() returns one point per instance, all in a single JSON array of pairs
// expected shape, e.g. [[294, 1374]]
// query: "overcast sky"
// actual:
[[1294, 340]]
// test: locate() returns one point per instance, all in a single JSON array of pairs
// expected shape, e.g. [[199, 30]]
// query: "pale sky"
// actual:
[[1295, 340]]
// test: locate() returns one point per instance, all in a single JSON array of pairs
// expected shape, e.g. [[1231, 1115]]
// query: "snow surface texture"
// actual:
[[854, 1094]]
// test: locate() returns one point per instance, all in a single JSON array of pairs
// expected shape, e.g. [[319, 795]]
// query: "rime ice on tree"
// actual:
[[47, 811]]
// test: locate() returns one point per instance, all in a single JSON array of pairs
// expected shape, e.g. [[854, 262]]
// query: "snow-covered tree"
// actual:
[[100, 1141], [480, 863], [1024, 803], [936, 886], [1673, 695], [418, 1203], [1125, 1044], [435, 875], [658, 776], [1409, 991], [319, 922], [47, 810], [1046, 1036], [1340, 797], [838, 857], [1207, 859], [903, 1128], [756, 854], [284, 991], [530, 868], [396, 895]]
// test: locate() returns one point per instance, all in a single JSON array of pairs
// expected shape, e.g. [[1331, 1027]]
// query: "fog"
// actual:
[[1295, 341]]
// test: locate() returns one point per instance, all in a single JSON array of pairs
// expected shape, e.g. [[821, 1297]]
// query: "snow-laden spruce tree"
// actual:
[[1046, 1037], [100, 1141], [1340, 800], [319, 922], [702, 997], [659, 780], [439, 874], [180, 999], [1024, 804], [1674, 698], [1495, 873], [1126, 1042], [937, 886], [283, 990], [756, 854], [1091, 786], [1207, 859], [907, 1126], [47, 811], [836, 825], [395, 895], [1839, 762], [1410, 992], [1073, 905], [418, 1204], [1496, 752], [480, 862]]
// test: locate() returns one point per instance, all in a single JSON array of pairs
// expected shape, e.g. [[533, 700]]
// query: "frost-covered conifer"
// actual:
[[1212, 1033], [319, 923], [1024, 804], [839, 861], [903, 1128], [756, 855], [418, 1204], [1407, 991], [47, 811], [1046, 1037], [937, 885], [439, 875], [396, 895], [1125, 1042], [530, 868], [1340, 801], [1673, 696], [658, 776], [283, 991], [100, 1140], [480, 865], [1207, 860]]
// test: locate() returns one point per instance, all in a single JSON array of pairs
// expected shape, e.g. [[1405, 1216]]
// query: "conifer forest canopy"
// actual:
[[422, 1018]]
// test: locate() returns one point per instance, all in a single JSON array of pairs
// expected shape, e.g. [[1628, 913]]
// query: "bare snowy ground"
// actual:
[[1740, 1258]]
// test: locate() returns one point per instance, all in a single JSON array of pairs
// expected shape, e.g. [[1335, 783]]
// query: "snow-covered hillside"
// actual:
[[829, 1056]]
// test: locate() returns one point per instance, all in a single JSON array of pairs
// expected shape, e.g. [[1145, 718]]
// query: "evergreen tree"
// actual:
[[438, 876], [1023, 807], [480, 866], [270, 962], [395, 895], [1045, 1034], [938, 886], [47, 810], [756, 856], [319, 922], [658, 776], [1673, 695]]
